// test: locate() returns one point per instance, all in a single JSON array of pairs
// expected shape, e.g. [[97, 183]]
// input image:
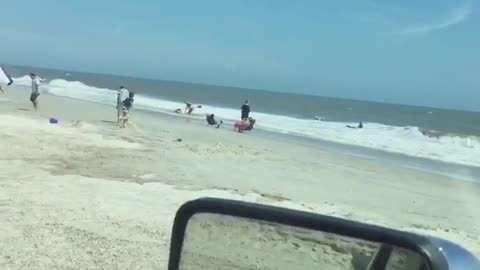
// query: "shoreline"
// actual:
[[401, 136], [439, 167], [468, 173]]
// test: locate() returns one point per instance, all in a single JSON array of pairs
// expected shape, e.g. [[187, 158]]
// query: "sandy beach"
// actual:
[[85, 194]]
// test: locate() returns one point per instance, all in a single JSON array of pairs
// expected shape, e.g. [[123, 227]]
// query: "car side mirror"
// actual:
[[223, 234]]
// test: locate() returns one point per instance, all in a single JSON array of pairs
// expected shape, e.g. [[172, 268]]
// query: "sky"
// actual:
[[410, 51]]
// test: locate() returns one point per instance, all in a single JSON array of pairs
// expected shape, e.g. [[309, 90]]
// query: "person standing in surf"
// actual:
[[122, 94], [36, 81], [245, 110]]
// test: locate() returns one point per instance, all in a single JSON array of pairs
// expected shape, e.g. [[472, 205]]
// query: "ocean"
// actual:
[[446, 136]]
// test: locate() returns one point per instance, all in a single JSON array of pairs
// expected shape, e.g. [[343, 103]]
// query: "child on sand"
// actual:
[[126, 107]]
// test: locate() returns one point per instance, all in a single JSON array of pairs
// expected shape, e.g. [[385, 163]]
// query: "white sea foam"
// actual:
[[404, 140], [25, 81]]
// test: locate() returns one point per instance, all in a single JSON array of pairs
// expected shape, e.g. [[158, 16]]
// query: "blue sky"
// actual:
[[409, 51]]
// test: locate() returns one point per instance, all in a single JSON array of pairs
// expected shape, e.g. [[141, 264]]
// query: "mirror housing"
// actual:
[[431, 250]]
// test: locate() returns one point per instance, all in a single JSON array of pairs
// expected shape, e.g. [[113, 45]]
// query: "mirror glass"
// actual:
[[220, 242]]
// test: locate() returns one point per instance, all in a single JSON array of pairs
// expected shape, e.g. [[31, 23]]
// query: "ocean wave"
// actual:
[[25, 81], [412, 141]]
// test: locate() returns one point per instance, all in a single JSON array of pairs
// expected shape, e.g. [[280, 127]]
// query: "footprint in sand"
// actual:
[[77, 124], [4, 204]]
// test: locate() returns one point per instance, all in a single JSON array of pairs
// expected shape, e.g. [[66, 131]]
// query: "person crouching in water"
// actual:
[[127, 105]]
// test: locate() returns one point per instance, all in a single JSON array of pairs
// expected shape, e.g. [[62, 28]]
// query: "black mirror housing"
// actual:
[[432, 250]]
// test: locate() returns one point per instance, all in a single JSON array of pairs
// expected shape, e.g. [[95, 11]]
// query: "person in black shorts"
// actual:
[[33, 98], [245, 110], [35, 90]]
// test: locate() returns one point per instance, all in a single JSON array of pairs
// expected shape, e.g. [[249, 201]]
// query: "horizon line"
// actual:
[[250, 89]]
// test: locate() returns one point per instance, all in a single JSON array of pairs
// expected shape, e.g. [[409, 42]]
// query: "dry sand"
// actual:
[[86, 194]]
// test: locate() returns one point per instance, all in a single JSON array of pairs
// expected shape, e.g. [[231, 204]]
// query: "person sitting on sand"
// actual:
[[250, 125], [244, 125], [239, 125], [212, 122]]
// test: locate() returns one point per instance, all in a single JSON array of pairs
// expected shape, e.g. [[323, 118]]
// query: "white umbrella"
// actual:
[[4, 77]]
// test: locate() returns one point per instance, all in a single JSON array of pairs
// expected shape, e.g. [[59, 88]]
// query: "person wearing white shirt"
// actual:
[[122, 94], [36, 81]]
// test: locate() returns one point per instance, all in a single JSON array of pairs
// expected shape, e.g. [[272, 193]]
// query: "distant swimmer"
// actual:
[[360, 125], [212, 121], [122, 94], [245, 110], [36, 81], [427, 133], [430, 133]]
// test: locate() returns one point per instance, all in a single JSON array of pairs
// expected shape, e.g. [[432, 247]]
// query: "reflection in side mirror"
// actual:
[[226, 235], [222, 242]]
